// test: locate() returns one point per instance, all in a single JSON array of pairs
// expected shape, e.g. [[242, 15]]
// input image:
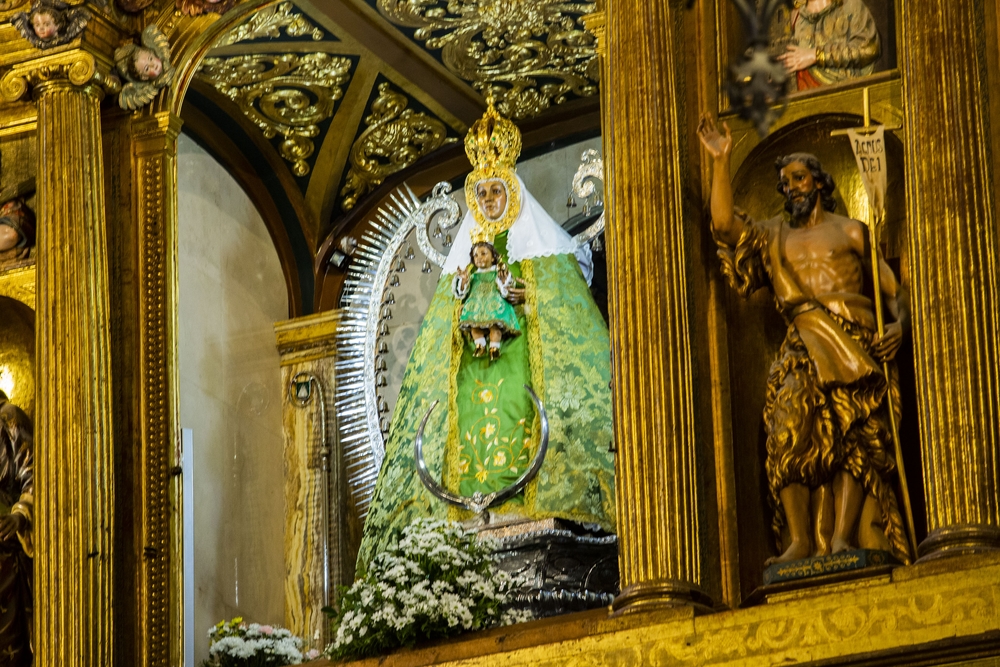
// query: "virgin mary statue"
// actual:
[[489, 433]]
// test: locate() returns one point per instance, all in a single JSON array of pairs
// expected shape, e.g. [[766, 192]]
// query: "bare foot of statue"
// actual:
[[823, 550], [840, 544], [795, 551]]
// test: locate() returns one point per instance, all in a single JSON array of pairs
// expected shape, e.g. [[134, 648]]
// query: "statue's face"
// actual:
[[482, 257], [147, 65], [44, 25], [797, 182], [492, 198]]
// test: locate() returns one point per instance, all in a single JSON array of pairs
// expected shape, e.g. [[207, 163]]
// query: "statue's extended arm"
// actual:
[[726, 225]]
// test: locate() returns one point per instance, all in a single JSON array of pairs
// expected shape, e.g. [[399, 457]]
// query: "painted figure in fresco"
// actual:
[[17, 231], [199, 7], [487, 437], [50, 23], [486, 311], [146, 68], [16, 534], [825, 41], [829, 451]]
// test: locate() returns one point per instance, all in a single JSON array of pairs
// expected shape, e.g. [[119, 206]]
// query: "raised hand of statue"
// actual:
[[885, 348], [797, 58], [10, 525], [515, 295], [463, 276], [717, 144]]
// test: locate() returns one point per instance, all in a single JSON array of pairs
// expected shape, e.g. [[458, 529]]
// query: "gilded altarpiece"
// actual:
[[942, 237]]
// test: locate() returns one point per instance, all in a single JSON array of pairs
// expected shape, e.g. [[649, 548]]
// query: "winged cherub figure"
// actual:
[[50, 23], [146, 68]]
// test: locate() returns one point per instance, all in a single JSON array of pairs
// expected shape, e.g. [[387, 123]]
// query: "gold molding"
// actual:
[[917, 615], [313, 336], [19, 284]]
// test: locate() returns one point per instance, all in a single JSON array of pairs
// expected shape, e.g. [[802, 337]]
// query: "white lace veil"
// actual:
[[533, 234]]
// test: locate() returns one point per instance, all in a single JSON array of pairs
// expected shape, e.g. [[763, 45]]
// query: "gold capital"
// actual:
[[78, 67]]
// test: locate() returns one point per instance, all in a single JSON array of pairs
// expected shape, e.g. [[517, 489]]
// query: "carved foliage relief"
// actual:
[[395, 137], [283, 94], [270, 23], [530, 54]]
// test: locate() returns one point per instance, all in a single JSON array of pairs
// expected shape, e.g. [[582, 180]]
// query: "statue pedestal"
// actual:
[[564, 568], [845, 561], [808, 573]]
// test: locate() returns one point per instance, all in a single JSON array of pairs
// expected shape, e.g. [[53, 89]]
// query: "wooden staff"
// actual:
[[874, 234]]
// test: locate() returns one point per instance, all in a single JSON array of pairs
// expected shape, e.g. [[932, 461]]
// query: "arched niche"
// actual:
[[756, 330], [17, 353]]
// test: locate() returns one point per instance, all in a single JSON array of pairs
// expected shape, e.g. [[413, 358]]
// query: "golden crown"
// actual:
[[493, 141], [493, 145]]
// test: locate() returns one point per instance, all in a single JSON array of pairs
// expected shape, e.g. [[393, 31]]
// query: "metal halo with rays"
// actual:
[[591, 169], [362, 324], [480, 502]]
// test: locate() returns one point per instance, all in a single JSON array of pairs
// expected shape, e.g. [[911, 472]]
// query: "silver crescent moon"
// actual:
[[479, 502]]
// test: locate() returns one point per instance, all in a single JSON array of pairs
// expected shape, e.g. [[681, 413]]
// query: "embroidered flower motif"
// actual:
[[481, 475], [486, 396], [500, 458], [489, 430], [463, 466]]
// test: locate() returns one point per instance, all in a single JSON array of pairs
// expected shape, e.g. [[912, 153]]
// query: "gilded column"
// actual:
[[154, 401], [955, 283], [657, 478], [73, 429]]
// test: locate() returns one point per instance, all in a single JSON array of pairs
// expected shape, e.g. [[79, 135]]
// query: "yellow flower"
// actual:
[[500, 458], [486, 396], [463, 466], [489, 430], [481, 476]]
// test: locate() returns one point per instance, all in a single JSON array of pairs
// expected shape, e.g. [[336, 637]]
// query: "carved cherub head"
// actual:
[[199, 7], [50, 23], [146, 68]]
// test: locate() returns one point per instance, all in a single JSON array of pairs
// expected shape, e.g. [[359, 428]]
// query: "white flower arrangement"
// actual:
[[438, 580], [238, 644]]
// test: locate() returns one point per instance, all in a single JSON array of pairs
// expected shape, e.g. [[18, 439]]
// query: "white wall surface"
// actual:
[[231, 292]]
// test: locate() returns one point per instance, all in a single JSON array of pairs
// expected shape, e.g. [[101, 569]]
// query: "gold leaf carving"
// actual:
[[269, 23], [530, 55], [395, 138], [287, 94]]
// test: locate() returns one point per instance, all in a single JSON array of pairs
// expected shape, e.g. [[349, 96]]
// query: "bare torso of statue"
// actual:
[[825, 413], [826, 258]]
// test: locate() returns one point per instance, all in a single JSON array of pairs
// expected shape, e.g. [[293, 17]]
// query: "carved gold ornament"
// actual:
[[269, 23], [529, 54], [287, 94], [395, 138]]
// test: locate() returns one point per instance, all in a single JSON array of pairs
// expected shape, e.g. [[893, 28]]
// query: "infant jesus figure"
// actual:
[[485, 291]]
